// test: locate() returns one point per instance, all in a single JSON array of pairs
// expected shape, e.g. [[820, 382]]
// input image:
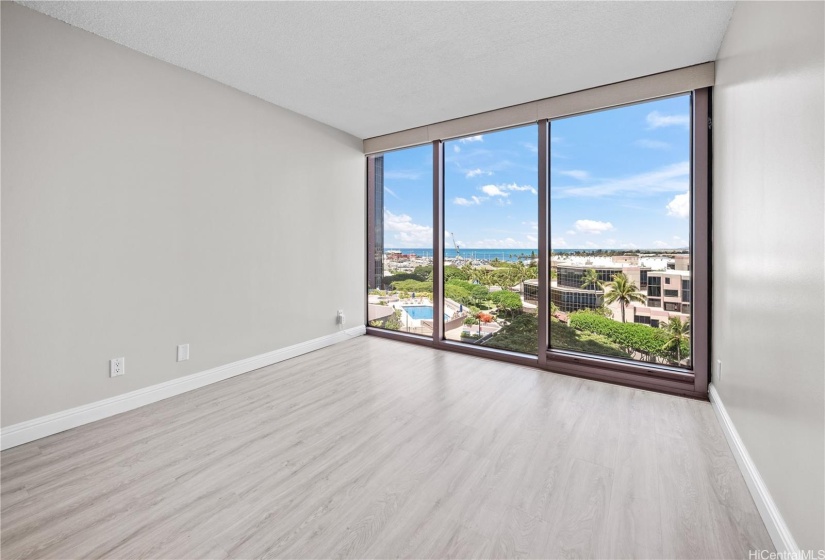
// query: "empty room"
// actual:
[[442, 279]]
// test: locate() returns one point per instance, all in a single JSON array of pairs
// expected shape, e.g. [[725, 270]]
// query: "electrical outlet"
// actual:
[[718, 370], [117, 366], [183, 352], [340, 319]]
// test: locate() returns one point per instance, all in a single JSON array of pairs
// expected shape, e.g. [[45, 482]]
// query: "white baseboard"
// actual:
[[37, 428], [781, 536]]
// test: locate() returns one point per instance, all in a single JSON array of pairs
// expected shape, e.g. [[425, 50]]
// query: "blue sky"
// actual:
[[619, 180]]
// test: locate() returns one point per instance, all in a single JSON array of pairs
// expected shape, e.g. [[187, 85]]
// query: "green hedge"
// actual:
[[635, 337]]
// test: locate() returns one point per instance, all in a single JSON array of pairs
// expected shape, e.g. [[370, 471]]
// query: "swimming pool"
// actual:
[[419, 312]]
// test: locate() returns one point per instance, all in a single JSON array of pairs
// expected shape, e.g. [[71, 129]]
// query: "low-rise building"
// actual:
[[668, 295], [667, 291]]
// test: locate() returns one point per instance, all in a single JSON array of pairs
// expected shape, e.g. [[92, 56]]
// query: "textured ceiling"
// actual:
[[372, 68]]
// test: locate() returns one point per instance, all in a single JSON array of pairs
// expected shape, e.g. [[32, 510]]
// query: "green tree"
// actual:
[[453, 272], [483, 276], [423, 272], [521, 273], [467, 269], [413, 286], [457, 293], [521, 335], [507, 302], [624, 291], [390, 280], [591, 277], [392, 323], [678, 333]]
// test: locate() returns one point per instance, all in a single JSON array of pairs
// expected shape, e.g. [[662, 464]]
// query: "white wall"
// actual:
[[144, 206], [769, 256]]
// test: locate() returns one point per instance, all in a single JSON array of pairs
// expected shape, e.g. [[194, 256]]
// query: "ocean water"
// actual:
[[491, 254], [482, 254]]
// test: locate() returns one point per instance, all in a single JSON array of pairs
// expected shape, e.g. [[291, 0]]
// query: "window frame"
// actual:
[[691, 382]]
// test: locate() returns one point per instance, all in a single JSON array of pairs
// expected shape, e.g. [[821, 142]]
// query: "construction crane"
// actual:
[[457, 252]]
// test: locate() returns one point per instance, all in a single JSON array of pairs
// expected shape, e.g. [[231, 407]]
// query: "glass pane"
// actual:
[[620, 232], [491, 240], [400, 282]]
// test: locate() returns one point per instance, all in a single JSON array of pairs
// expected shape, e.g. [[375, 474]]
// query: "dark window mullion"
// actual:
[[544, 240], [438, 241]]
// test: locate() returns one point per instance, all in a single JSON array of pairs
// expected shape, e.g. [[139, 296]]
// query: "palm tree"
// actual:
[[589, 277], [677, 332], [520, 274], [624, 291], [484, 277]]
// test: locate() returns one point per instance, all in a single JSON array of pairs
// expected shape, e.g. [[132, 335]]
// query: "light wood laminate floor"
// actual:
[[378, 449]]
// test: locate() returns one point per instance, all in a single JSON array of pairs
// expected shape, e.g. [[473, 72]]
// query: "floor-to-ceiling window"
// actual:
[[400, 263], [578, 243], [491, 239], [620, 200]]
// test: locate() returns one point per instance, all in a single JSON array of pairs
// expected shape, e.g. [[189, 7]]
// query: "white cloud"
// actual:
[[519, 188], [530, 147], [389, 190], [652, 144], [558, 242], [456, 148], [679, 206], [532, 225], [505, 189], [591, 245], [532, 239], [477, 138], [660, 244], [476, 172], [570, 232], [672, 178], [656, 119], [406, 233], [576, 174], [592, 226], [493, 190], [472, 201]]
